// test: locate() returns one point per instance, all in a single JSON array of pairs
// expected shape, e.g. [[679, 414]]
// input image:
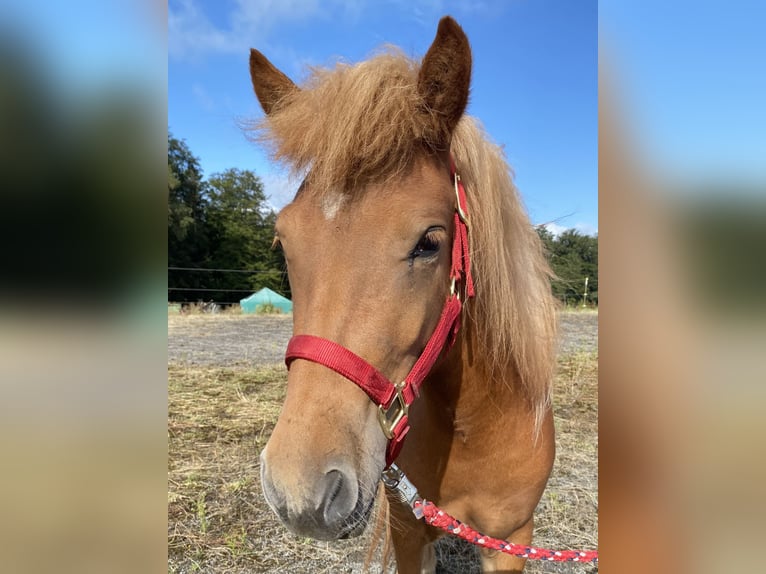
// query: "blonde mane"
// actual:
[[514, 312], [365, 123]]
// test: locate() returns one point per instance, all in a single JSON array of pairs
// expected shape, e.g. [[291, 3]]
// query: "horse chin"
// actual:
[[358, 520]]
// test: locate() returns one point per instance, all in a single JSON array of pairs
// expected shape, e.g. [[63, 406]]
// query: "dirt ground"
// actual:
[[259, 340], [226, 385]]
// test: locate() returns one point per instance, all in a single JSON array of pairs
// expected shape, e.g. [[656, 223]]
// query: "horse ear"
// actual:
[[445, 74], [270, 84]]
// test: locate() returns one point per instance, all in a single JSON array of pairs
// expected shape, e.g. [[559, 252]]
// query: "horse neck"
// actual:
[[461, 387]]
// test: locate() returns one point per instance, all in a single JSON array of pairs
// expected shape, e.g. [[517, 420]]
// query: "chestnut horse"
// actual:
[[368, 243]]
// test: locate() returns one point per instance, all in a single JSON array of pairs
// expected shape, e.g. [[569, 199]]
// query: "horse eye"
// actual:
[[427, 246]]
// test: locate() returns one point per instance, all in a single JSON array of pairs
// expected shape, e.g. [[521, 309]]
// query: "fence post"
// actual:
[[585, 294]]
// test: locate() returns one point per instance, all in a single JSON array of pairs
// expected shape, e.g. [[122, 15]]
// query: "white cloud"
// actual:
[[584, 228], [554, 228], [191, 33]]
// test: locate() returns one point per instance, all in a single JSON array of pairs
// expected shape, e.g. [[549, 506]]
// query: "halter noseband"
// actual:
[[394, 401]]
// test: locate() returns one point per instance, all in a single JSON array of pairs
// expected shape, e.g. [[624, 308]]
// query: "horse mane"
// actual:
[[514, 312], [365, 123]]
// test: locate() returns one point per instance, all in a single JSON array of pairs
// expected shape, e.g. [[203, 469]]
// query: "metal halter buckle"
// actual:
[[389, 417]]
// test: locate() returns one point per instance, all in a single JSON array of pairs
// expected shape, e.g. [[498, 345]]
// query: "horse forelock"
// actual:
[[352, 125]]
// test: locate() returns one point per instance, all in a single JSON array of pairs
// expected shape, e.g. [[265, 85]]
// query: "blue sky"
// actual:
[[534, 81]]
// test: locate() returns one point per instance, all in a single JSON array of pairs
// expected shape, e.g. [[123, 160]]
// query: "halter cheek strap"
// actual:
[[394, 401]]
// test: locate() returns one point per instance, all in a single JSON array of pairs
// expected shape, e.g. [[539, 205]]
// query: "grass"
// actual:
[[219, 420], [268, 309], [567, 515], [186, 309], [578, 308]]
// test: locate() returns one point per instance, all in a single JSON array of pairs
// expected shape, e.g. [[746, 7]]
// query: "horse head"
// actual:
[[368, 244]]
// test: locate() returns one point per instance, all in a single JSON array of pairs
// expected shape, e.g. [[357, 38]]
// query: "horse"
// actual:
[[370, 247]]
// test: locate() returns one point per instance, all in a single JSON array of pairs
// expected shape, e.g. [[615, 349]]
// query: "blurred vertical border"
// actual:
[[83, 437], [682, 233], [83, 331]]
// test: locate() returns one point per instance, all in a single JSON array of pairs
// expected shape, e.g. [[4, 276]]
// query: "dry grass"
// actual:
[[220, 419], [567, 516], [592, 309], [186, 309], [181, 320]]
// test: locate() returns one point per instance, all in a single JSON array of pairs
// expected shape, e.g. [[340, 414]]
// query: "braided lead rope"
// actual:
[[440, 519], [403, 489]]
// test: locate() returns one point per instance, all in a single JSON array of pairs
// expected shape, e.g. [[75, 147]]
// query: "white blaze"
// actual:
[[331, 204]]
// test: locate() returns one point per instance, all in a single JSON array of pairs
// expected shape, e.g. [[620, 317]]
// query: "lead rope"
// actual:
[[403, 489]]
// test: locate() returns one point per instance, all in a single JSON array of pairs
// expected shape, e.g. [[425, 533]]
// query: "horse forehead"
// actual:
[[423, 190]]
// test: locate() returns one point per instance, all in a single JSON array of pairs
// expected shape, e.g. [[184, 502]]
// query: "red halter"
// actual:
[[394, 400]]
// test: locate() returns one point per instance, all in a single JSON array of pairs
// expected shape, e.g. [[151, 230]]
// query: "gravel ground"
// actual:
[[253, 340], [578, 331], [228, 340]]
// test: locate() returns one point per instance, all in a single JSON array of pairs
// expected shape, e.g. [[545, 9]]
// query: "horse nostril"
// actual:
[[335, 478], [339, 498]]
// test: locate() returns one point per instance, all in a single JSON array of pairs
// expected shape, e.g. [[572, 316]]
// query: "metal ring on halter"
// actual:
[[460, 210], [454, 290]]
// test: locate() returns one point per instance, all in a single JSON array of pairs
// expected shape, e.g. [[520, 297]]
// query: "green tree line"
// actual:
[[573, 256], [222, 222]]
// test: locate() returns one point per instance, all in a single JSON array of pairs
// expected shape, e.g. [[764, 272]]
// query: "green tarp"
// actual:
[[266, 297]]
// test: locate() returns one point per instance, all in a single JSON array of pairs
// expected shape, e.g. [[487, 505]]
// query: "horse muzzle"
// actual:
[[330, 506]]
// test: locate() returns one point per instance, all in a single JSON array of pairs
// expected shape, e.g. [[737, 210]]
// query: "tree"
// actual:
[[241, 232], [188, 244], [223, 222], [573, 257], [186, 203]]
